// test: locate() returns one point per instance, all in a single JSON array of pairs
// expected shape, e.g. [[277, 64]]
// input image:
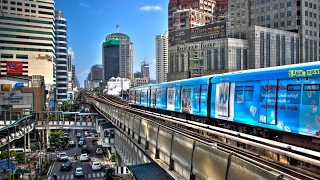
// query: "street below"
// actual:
[[86, 165]]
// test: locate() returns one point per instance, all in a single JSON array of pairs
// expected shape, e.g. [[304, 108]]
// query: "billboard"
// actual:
[[14, 68], [203, 33]]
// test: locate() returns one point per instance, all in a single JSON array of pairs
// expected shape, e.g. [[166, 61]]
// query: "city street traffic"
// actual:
[[68, 171]]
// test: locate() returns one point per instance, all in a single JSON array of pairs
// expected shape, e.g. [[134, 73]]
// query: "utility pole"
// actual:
[[9, 153], [24, 142]]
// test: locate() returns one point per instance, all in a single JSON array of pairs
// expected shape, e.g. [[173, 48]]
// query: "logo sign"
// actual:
[[14, 68], [5, 87], [202, 33], [47, 57], [12, 98]]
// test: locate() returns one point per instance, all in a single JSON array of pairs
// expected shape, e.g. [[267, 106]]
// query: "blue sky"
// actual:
[[90, 21]]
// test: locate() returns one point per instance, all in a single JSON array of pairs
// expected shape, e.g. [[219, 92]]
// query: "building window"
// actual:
[[298, 3], [310, 14], [306, 50], [314, 6], [21, 56], [209, 59], [297, 51], [268, 50], [177, 63], [275, 25], [245, 59], [298, 12], [277, 50], [310, 5], [292, 49], [298, 22], [275, 6], [262, 9], [238, 59], [289, 23], [216, 59], [306, 4], [311, 50], [268, 8], [305, 13], [275, 15], [6, 55], [289, 4], [288, 13], [261, 49], [315, 50], [283, 50], [306, 22], [281, 5], [283, 23], [182, 62], [306, 32], [222, 58]]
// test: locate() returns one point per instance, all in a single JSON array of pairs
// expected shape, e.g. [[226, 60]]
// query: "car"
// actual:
[[85, 149], [96, 166], [66, 134], [79, 172], [86, 133], [79, 135], [99, 151], [80, 143], [82, 139], [62, 156], [71, 143], [66, 166], [84, 157]]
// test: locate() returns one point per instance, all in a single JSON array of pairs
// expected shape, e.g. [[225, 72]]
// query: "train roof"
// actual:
[[271, 73]]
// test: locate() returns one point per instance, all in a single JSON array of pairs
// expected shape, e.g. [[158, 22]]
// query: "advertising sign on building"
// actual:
[[14, 68], [202, 33], [15, 97]]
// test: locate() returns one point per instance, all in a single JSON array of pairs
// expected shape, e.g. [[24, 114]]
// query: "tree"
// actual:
[[55, 137]]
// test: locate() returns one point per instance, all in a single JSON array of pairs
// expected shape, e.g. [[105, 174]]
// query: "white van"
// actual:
[[20, 150]]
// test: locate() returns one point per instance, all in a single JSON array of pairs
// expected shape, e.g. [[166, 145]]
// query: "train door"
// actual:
[[222, 99], [268, 101], [153, 98], [170, 98]]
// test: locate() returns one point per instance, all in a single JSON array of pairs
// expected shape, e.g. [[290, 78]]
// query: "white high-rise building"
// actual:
[[61, 56], [27, 39], [161, 57]]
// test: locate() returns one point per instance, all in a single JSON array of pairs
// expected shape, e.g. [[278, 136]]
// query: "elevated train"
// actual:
[[261, 101]]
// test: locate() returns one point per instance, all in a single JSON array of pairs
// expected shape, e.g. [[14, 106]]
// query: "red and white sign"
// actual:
[[14, 68]]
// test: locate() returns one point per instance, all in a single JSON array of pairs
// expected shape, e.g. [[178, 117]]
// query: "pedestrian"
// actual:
[[75, 156]]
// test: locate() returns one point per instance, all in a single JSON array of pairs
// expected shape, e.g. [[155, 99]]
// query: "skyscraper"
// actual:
[[61, 56], [161, 57], [110, 59], [96, 72], [185, 14], [27, 41], [145, 70], [117, 46], [301, 17]]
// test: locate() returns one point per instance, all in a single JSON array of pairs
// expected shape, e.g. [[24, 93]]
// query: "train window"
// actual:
[[293, 87], [248, 93], [311, 95], [239, 94], [293, 95]]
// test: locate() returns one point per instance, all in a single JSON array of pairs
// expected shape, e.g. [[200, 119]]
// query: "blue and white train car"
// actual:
[[283, 98], [140, 96], [184, 96]]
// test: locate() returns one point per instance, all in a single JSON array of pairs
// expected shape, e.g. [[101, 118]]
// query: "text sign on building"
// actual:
[[15, 97], [14, 68], [47, 57], [203, 33]]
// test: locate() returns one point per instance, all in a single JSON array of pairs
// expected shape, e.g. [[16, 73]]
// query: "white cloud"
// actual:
[[153, 61], [84, 5], [71, 52], [84, 73], [150, 8]]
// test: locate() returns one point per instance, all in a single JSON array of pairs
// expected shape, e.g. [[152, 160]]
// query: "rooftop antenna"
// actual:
[[117, 28]]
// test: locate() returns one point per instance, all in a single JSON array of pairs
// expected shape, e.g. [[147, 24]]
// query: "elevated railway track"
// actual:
[[291, 161]]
